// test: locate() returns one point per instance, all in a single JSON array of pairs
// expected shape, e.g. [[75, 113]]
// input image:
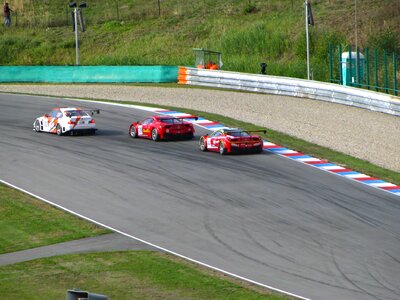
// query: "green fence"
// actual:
[[374, 70], [142, 74]]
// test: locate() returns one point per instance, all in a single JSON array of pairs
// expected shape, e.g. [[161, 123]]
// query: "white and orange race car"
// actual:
[[71, 120]]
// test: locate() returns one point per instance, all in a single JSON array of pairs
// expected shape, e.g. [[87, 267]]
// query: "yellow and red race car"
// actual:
[[67, 120], [163, 127], [232, 140]]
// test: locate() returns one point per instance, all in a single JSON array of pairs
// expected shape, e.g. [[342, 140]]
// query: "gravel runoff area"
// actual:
[[361, 133]]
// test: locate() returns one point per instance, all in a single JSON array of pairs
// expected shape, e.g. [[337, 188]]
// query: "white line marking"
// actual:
[[151, 244]]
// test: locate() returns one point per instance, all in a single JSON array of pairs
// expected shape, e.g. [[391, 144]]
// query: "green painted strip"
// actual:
[[88, 73]]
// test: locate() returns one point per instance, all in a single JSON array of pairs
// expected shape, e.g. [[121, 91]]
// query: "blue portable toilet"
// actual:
[[349, 67]]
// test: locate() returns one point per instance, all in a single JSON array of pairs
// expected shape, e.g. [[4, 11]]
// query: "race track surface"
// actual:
[[263, 217]]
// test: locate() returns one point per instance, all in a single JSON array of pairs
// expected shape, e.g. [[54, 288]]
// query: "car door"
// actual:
[[213, 140], [144, 128], [47, 121], [53, 120]]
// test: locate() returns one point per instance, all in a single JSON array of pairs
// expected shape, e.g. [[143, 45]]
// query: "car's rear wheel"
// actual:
[[59, 130], [37, 126], [133, 132], [202, 144], [261, 149], [154, 135], [222, 149]]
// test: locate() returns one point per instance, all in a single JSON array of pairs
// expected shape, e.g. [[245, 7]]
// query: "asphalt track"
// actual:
[[263, 217]]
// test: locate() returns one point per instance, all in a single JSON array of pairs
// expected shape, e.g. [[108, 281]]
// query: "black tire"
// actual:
[[132, 131], [154, 135], [191, 136], [37, 126], [222, 149], [202, 144], [59, 130]]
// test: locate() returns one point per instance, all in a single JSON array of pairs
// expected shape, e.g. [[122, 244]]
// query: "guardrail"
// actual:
[[291, 87], [88, 73]]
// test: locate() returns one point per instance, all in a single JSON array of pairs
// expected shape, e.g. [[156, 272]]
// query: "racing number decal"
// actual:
[[140, 130], [209, 143]]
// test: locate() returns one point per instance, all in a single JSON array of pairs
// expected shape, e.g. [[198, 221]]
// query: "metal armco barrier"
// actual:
[[88, 73], [291, 87]]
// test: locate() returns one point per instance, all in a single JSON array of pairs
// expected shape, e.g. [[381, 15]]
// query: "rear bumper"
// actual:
[[87, 128], [81, 131], [255, 149], [181, 136]]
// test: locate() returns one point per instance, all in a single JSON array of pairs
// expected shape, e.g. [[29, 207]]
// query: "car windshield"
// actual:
[[238, 133], [76, 113]]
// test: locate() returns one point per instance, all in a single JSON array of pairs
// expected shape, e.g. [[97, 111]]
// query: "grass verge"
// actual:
[[26, 222], [121, 275]]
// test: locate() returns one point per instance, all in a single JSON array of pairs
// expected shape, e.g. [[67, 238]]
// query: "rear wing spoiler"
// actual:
[[260, 130], [182, 118]]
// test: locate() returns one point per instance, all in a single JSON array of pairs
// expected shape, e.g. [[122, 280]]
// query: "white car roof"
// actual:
[[69, 108]]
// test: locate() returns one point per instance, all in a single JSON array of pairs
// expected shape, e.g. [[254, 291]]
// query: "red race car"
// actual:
[[232, 140], [163, 127]]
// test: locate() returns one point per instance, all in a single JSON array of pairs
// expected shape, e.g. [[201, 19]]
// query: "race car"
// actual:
[[232, 140], [163, 127], [71, 120]]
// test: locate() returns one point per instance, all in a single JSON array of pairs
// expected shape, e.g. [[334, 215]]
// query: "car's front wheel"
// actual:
[[154, 135], [59, 130], [37, 126], [202, 144], [132, 131]]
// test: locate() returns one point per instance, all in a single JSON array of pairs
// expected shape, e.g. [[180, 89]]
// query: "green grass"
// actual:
[[273, 33], [26, 222], [121, 275]]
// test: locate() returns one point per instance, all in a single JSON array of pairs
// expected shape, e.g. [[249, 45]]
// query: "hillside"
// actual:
[[247, 32]]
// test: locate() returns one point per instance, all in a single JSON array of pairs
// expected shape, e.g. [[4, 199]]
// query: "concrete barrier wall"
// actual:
[[291, 87], [63, 74]]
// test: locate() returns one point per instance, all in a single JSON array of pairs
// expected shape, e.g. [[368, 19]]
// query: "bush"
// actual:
[[386, 39]]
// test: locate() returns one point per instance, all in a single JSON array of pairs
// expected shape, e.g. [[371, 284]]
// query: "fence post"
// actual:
[[340, 64], [357, 68], [394, 73], [376, 71], [350, 68], [385, 64], [117, 10], [67, 15], [330, 63], [367, 66]]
